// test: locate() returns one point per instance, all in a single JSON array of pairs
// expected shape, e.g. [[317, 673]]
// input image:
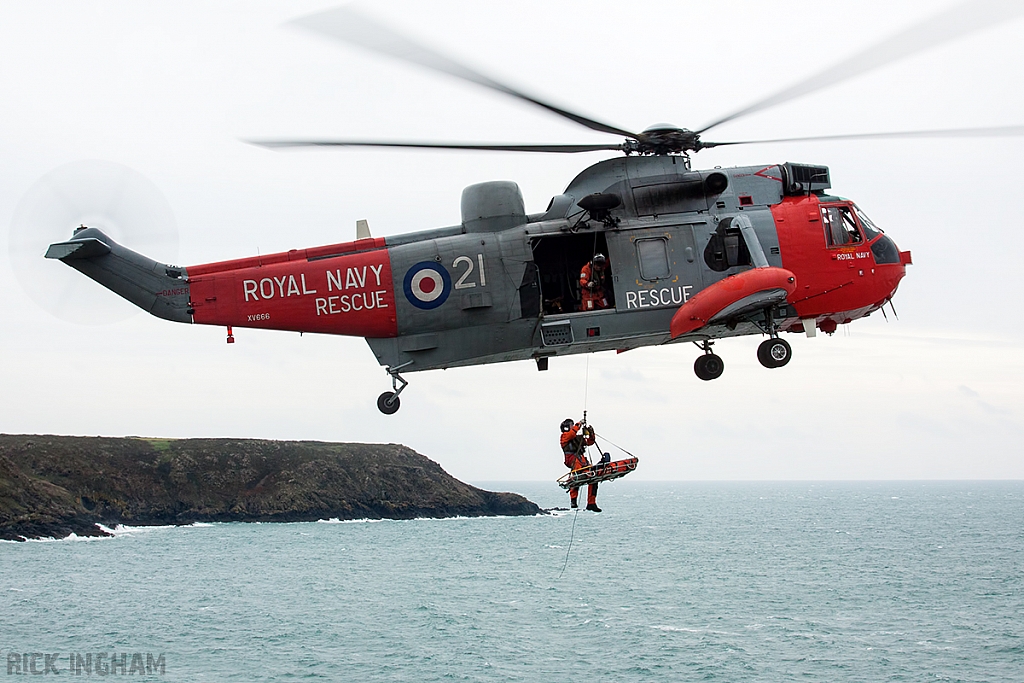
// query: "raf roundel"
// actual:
[[427, 285]]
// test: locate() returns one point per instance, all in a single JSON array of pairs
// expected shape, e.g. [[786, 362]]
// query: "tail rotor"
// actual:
[[97, 194]]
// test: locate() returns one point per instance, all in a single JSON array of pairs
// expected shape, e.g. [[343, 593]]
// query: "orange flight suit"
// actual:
[[573, 445], [593, 297]]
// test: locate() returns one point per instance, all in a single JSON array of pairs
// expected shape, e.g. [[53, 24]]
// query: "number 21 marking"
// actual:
[[461, 283]]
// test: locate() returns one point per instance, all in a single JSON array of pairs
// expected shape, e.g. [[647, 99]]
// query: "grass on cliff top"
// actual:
[[159, 444]]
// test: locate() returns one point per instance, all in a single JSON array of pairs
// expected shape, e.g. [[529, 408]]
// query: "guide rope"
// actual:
[[614, 444], [571, 536]]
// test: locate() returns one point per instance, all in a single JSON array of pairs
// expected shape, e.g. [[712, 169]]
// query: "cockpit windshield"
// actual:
[[871, 231], [884, 249]]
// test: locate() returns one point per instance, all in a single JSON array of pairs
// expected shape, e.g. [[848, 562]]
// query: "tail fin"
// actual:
[[156, 288]]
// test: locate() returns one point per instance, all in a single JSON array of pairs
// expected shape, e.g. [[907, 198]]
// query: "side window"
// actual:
[[840, 226], [726, 248], [653, 257]]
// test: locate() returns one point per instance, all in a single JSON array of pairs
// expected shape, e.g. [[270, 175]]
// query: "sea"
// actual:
[[711, 581]]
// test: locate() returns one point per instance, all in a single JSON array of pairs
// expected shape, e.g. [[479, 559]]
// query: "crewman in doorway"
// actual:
[[592, 283], [574, 441]]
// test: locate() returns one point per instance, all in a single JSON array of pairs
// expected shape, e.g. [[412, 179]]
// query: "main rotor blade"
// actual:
[[564, 149], [992, 132], [349, 26], [949, 25]]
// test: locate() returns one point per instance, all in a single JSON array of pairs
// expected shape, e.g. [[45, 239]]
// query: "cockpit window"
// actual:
[[871, 231], [841, 227], [885, 251]]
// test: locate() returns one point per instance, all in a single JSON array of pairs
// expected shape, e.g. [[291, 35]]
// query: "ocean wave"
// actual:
[[125, 529], [335, 520], [70, 537], [459, 518], [685, 629]]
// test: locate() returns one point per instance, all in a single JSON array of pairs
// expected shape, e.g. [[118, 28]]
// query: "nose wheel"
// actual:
[[388, 402], [708, 366]]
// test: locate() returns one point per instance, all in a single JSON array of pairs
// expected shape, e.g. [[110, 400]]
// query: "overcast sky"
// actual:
[[169, 89]]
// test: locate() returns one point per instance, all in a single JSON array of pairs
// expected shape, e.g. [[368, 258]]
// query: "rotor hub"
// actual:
[[664, 138]]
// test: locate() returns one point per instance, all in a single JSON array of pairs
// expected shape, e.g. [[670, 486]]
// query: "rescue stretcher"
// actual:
[[593, 474]]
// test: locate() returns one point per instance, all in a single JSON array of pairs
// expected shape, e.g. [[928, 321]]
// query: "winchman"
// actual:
[[576, 436], [592, 283]]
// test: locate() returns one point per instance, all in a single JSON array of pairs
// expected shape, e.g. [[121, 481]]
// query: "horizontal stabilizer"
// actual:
[[73, 249]]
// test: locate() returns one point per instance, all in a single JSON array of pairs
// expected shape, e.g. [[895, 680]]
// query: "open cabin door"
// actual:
[[557, 262]]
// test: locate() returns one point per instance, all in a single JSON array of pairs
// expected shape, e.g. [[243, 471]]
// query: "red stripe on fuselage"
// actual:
[[368, 244], [349, 294]]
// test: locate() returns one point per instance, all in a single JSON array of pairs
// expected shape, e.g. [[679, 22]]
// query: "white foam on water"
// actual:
[[335, 520], [128, 529], [51, 539], [680, 629]]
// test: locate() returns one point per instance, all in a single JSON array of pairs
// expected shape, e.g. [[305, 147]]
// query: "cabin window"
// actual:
[[653, 257], [841, 228]]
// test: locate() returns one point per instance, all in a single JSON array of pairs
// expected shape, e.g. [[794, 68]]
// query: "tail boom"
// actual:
[[344, 289], [157, 288]]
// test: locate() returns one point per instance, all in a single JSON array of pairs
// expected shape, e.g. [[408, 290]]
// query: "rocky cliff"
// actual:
[[52, 486]]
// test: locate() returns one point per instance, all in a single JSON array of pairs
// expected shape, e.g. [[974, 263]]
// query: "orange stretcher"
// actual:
[[592, 474]]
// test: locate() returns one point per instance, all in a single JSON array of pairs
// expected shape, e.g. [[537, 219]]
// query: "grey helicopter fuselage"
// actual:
[[523, 305], [503, 285], [691, 255]]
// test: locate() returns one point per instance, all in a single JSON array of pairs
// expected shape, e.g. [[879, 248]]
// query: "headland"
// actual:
[[54, 486]]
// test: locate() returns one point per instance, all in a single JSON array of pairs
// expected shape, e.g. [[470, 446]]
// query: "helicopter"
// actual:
[[692, 255]]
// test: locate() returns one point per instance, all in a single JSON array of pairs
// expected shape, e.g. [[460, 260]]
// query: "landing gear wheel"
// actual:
[[774, 353], [388, 403], [709, 366]]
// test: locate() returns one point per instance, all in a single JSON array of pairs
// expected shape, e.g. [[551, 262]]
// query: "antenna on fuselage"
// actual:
[[810, 181], [362, 230]]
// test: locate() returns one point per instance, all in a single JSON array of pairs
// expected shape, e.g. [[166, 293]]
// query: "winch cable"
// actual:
[[586, 388]]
